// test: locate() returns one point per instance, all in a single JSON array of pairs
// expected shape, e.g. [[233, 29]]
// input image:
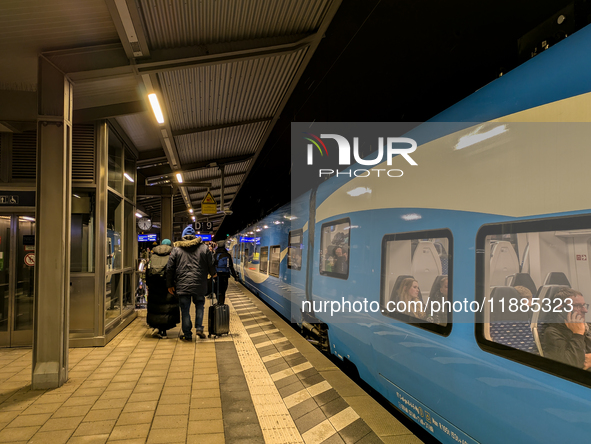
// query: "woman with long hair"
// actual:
[[409, 292]]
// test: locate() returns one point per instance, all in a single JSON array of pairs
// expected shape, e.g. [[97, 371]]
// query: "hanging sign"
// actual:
[[209, 205], [30, 259]]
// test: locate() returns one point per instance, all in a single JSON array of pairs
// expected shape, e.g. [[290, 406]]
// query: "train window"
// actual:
[[275, 260], [294, 258], [416, 279], [334, 249], [533, 282], [264, 259]]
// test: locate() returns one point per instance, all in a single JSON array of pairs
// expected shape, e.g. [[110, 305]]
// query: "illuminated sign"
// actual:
[[147, 237], [205, 237], [251, 240]]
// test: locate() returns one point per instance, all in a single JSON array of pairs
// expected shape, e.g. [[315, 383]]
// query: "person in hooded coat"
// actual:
[[163, 307], [186, 274]]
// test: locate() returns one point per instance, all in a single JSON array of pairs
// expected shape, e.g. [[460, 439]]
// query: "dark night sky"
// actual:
[[392, 61]]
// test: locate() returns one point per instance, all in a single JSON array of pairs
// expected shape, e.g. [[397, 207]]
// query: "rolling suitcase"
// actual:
[[219, 319]]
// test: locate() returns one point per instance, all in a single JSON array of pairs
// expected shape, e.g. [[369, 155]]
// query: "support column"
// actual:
[[52, 228], [166, 216]]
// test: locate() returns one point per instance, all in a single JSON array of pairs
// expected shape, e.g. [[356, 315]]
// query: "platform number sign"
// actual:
[[203, 226]]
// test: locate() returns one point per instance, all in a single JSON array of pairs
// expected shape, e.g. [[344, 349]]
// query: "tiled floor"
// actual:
[[250, 387]]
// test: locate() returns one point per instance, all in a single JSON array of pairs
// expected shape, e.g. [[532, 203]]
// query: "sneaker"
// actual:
[[162, 335], [186, 338], [201, 334]]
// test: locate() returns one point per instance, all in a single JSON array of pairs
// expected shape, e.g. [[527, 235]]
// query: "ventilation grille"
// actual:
[[24, 155], [83, 153]]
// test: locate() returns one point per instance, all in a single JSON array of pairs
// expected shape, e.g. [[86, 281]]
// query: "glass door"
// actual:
[[5, 269], [17, 279], [24, 291]]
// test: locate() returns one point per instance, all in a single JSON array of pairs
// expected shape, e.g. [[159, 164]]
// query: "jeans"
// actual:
[[185, 303], [221, 285]]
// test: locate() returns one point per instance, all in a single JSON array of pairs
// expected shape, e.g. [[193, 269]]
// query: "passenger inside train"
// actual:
[[567, 339], [532, 280], [409, 292]]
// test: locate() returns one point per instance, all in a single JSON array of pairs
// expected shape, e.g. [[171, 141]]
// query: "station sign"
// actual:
[[209, 205], [205, 237], [203, 226], [147, 237]]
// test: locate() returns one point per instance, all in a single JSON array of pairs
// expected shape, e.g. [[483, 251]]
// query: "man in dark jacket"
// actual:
[[568, 339], [224, 268], [186, 273]]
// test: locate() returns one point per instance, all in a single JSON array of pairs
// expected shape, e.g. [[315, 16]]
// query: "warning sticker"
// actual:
[[208, 199], [30, 259]]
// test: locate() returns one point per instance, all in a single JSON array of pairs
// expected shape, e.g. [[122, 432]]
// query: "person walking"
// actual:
[[224, 268], [163, 307], [186, 274]]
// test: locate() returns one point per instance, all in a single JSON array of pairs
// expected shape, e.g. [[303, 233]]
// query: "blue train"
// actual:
[[498, 203]]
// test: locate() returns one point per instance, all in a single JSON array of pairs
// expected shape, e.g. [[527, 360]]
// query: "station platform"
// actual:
[[263, 383]]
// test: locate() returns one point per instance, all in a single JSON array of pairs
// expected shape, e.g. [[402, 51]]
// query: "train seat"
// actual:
[[503, 263], [425, 266], [557, 278], [396, 285], [540, 319], [523, 280], [507, 328], [435, 287]]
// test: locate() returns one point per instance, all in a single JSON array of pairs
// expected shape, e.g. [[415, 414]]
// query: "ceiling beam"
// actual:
[[155, 155], [214, 177], [108, 111], [216, 127], [82, 65], [126, 19], [165, 172]]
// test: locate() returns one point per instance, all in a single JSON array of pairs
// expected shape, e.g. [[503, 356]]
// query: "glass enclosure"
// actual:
[[82, 234]]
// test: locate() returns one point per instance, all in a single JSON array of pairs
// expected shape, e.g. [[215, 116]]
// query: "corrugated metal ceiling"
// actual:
[[177, 23], [230, 92], [216, 144], [141, 129]]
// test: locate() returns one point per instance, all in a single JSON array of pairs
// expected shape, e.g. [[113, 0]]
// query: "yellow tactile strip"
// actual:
[[319, 413], [276, 423]]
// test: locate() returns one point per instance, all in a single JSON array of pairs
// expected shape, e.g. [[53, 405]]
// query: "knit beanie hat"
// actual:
[[166, 242], [189, 231]]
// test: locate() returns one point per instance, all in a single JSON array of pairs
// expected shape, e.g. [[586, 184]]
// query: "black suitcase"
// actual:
[[219, 319]]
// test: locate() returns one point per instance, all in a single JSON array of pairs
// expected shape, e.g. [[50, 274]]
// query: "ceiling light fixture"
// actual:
[[156, 108], [128, 177], [179, 177]]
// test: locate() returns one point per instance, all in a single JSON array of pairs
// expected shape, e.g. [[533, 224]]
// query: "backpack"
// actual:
[[157, 266], [222, 263]]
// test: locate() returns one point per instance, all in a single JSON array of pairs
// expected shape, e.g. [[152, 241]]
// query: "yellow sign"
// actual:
[[209, 205]]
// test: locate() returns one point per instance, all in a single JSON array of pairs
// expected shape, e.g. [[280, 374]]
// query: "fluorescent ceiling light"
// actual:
[[266, 226], [75, 195], [138, 215], [411, 216], [191, 210], [359, 191], [128, 177], [156, 108], [476, 137], [179, 177], [32, 219]]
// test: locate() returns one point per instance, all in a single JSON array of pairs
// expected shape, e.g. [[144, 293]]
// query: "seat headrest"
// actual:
[[556, 278], [523, 280]]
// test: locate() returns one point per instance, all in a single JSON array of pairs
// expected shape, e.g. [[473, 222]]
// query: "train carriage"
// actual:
[[498, 202]]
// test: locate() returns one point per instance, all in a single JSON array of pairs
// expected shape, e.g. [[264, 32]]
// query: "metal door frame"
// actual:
[[13, 338]]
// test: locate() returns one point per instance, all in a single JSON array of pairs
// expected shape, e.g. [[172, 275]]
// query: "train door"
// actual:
[[17, 279]]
